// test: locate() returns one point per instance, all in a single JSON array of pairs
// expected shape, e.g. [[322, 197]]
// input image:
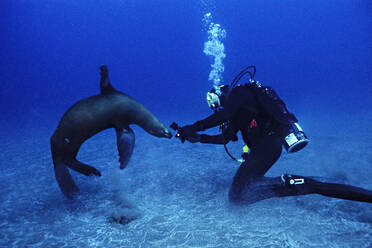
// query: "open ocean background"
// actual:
[[317, 55]]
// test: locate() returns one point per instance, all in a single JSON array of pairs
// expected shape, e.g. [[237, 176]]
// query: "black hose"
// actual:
[[239, 76], [228, 153], [227, 150], [242, 73]]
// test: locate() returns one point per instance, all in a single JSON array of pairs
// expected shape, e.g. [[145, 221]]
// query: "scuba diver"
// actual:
[[265, 125]]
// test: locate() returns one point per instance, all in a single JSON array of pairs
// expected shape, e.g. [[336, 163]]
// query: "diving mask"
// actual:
[[213, 100], [215, 97]]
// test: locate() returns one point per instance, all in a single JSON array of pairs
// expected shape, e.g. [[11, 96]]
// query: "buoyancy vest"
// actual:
[[269, 102]]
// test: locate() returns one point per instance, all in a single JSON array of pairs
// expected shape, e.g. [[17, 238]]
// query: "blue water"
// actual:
[[316, 54]]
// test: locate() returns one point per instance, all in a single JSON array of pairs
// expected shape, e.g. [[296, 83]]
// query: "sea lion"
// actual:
[[89, 116]]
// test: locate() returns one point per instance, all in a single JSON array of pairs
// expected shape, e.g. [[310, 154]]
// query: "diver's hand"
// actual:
[[187, 131]]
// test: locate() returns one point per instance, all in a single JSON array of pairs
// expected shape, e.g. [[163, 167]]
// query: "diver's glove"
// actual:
[[189, 131]]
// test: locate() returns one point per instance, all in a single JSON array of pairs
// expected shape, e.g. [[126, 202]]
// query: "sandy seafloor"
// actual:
[[177, 194]]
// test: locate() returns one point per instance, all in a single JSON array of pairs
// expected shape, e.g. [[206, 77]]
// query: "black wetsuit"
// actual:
[[260, 133]]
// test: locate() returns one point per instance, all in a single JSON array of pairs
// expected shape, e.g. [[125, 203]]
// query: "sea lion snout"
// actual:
[[160, 131], [167, 133], [156, 128]]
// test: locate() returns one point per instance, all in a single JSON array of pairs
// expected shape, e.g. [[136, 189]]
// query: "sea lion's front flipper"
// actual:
[[64, 179], [125, 141]]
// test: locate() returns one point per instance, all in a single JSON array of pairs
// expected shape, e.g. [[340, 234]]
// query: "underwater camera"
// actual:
[[294, 138]]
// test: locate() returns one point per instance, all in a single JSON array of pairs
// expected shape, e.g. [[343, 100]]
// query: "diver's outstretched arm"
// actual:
[[213, 139], [218, 139], [293, 185]]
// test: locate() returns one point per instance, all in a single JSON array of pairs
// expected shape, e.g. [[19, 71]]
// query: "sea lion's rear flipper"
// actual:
[[105, 83], [125, 141], [64, 179], [84, 168]]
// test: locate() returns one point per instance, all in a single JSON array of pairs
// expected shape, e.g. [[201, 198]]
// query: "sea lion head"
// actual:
[[157, 129]]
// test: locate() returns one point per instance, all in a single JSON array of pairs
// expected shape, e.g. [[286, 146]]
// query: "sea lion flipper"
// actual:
[[84, 168], [125, 142], [64, 179], [105, 83]]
